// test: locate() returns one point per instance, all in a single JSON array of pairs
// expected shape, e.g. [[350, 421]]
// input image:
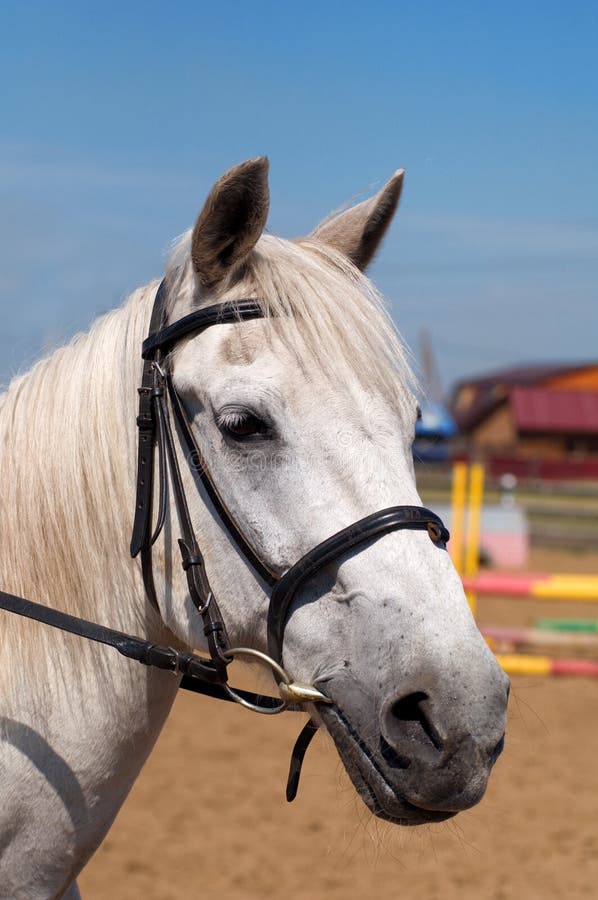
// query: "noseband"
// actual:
[[157, 399]]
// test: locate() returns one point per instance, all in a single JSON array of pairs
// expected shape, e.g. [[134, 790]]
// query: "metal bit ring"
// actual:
[[278, 671], [291, 693]]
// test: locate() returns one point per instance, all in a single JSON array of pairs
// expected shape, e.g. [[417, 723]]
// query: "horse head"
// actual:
[[305, 418]]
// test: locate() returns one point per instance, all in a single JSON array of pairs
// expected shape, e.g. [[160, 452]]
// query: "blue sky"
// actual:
[[117, 118]]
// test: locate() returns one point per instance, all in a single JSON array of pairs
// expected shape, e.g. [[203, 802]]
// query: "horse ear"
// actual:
[[232, 220], [358, 231]]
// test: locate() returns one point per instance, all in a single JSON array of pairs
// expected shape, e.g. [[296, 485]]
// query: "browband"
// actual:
[[219, 314]]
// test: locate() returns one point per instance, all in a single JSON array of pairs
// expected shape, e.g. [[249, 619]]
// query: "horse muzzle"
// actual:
[[412, 763]]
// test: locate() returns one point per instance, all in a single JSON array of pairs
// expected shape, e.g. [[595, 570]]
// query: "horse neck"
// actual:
[[67, 473]]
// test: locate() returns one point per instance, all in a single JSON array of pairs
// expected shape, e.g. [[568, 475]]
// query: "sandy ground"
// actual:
[[208, 816]]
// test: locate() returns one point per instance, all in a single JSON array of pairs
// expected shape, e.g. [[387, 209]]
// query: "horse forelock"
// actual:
[[327, 311]]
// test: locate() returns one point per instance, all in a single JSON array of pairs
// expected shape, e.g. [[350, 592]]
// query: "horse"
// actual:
[[304, 414]]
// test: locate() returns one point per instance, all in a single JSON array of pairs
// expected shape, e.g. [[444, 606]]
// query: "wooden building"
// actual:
[[533, 413]]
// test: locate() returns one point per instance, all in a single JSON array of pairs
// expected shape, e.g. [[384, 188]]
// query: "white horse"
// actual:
[[306, 419]]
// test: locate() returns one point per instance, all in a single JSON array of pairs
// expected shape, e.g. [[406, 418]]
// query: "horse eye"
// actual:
[[241, 424]]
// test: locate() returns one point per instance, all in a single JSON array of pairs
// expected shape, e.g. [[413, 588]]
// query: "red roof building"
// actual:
[[548, 411], [533, 412]]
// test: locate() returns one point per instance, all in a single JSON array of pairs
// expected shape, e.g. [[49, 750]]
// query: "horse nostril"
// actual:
[[497, 750], [413, 720], [391, 757]]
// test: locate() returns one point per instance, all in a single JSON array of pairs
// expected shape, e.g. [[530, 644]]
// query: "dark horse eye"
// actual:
[[241, 424]]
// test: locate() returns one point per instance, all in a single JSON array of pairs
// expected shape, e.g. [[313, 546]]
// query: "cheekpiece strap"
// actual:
[[141, 538]]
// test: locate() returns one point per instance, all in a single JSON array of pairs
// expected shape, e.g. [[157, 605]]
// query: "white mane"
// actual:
[[67, 450]]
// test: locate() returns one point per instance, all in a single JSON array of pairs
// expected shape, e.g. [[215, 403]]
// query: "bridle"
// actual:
[[157, 399], [154, 428]]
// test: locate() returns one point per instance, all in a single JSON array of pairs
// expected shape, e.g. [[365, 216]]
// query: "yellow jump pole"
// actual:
[[474, 514], [458, 493]]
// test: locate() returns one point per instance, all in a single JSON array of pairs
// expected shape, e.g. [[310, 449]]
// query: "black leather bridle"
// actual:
[[157, 400]]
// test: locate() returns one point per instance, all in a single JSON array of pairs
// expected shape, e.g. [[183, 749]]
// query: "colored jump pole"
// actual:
[[466, 505], [498, 635], [525, 664], [538, 586], [458, 493], [574, 626], [474, 515]]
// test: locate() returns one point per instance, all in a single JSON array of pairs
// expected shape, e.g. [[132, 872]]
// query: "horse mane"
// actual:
[[67, 457], [68, 438]]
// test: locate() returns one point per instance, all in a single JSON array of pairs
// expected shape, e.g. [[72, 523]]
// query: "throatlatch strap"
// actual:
[[141, 538]]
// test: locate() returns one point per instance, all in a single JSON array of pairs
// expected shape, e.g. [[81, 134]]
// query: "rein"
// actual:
[[157, 398]]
